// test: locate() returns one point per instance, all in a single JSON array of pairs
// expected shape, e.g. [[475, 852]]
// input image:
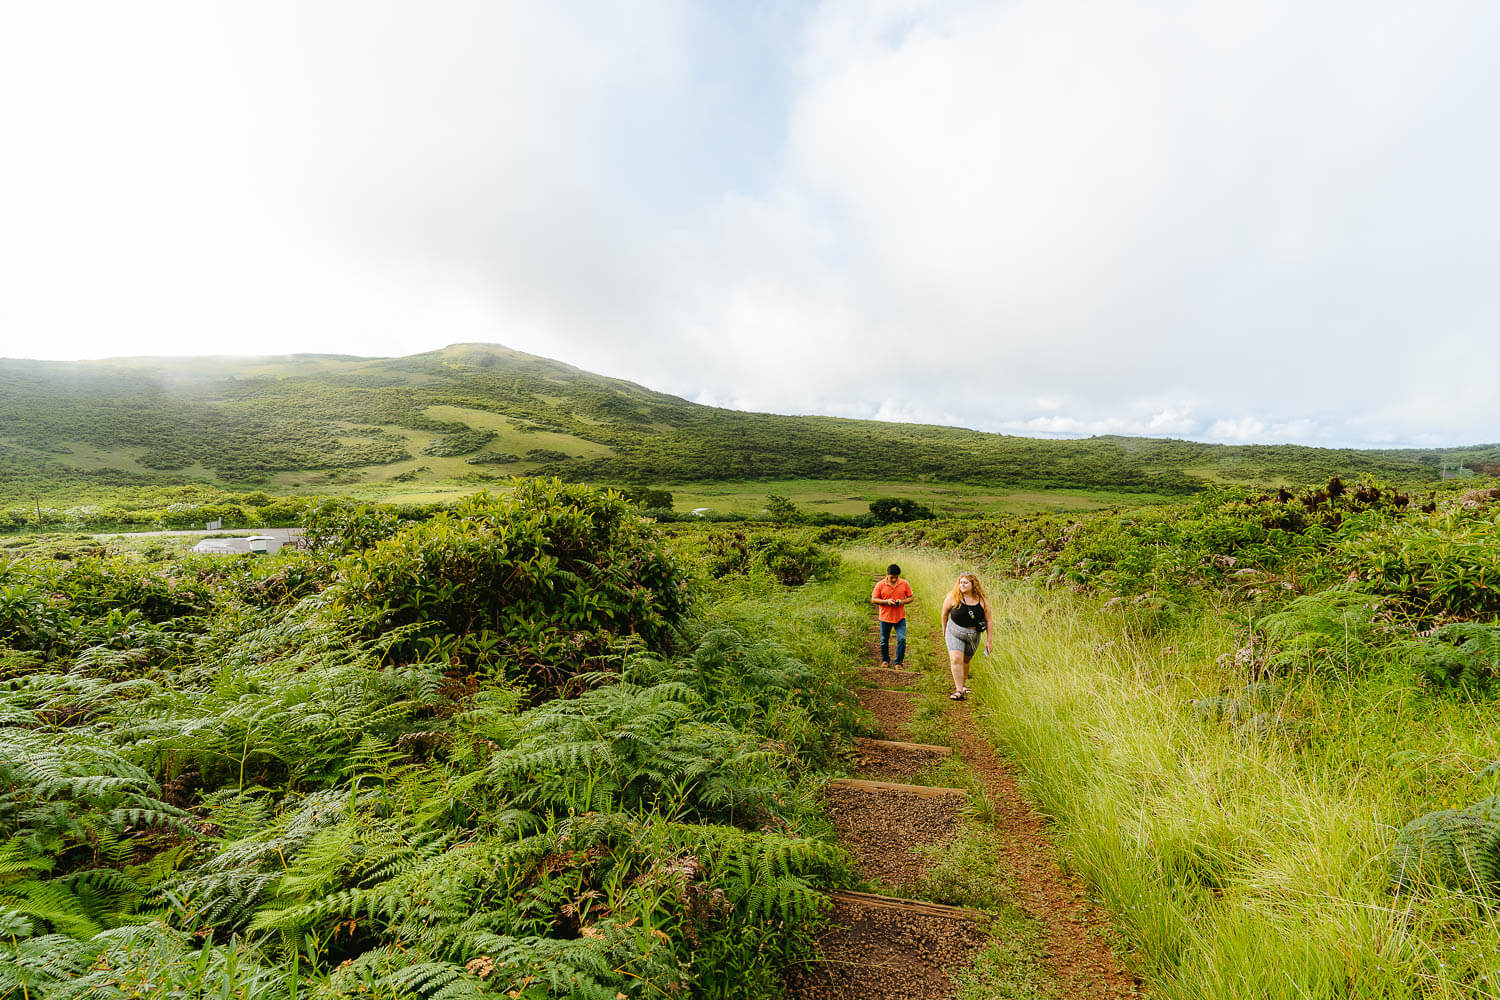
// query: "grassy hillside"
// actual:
[[469, 414]]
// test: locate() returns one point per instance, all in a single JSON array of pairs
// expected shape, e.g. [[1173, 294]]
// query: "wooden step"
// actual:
[[870, 899], [866, 743], [884, 948], [921, 791]]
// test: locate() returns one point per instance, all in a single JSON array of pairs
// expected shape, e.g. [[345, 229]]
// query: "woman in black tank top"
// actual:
[[966, 617]]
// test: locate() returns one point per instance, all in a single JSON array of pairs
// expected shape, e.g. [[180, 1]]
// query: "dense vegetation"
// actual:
[[193, 507], [1430, 557], [1267, 725], [91, 427], [503, 751]]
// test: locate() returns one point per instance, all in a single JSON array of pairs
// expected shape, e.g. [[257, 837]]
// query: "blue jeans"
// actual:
[[886, 628]]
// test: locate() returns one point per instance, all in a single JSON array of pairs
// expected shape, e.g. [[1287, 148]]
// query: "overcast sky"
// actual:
[[1254, 221]]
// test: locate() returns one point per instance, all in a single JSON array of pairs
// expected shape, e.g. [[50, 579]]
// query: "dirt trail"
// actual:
[[1075, 931], [900, 949], [892, 709]]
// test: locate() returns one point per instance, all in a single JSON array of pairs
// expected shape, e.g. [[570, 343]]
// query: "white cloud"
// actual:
[[1246, 221], [1111, 205]]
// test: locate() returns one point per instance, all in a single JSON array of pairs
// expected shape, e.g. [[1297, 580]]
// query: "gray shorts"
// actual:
[[962, 640]]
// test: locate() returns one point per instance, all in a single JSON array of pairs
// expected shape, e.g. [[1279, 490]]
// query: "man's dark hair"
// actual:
[[893, 570]]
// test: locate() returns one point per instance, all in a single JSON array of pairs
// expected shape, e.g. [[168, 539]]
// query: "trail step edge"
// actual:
[[937, 751], [925, 791], [908, 905]]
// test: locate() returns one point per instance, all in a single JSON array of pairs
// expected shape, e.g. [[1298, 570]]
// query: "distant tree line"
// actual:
[[168, 424]]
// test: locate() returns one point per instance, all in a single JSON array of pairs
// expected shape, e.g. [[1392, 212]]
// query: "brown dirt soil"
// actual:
[[882, 760], [880, 827], [1075, 931], [887, 677], [877, 950], [899, 950], [892, 709]]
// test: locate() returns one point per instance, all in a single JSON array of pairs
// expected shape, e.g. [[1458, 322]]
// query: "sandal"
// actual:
[[957, 695]]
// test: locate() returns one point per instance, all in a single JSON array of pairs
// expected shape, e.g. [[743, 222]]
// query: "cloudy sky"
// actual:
[[1231, 221]]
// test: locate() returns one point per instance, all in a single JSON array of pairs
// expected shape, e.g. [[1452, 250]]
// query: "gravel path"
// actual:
[[893, 761], [882, 829], [874, 951], [892, 709]]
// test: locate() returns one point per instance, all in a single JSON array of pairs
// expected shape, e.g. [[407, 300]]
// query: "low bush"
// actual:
[[893, 510], [337, 527], [795, 563], [547, 576], [460, 441], [727, 553]]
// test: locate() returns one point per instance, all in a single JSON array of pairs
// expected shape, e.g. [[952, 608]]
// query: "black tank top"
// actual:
[[967, 615]]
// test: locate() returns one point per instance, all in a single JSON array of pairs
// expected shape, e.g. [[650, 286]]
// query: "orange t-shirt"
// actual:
[[884, 591]]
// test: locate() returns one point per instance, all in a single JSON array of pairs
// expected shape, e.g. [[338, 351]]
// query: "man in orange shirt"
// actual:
[[891, 596]]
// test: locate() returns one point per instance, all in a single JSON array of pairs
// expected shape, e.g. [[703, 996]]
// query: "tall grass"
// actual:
[[1236, 866]]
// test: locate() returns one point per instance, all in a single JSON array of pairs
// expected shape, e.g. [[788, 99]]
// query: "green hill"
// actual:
[[471, 413]]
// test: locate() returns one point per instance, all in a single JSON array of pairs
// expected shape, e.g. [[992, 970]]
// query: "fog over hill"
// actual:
[[483, 411]]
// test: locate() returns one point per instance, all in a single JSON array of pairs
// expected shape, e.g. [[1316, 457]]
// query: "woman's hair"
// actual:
[[975, 588]]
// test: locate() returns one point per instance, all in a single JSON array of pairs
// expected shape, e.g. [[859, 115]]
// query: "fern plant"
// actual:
[[57, 796], [629, 747], [326, 791], [1332, 629], [134, 961], [1461, 655], [1458, 848]]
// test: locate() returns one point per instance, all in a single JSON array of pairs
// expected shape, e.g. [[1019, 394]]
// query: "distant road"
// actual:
[[275, 538]]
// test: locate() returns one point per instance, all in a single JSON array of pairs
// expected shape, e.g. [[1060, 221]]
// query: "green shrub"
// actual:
[[835, 534], [892, 510], [727, 553], [541, 578], [647, 498], [795, 563], [59, 607], [495, 458], [460, 441], [336, 527], [781, 510], [546, 455], [1445, 565]]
